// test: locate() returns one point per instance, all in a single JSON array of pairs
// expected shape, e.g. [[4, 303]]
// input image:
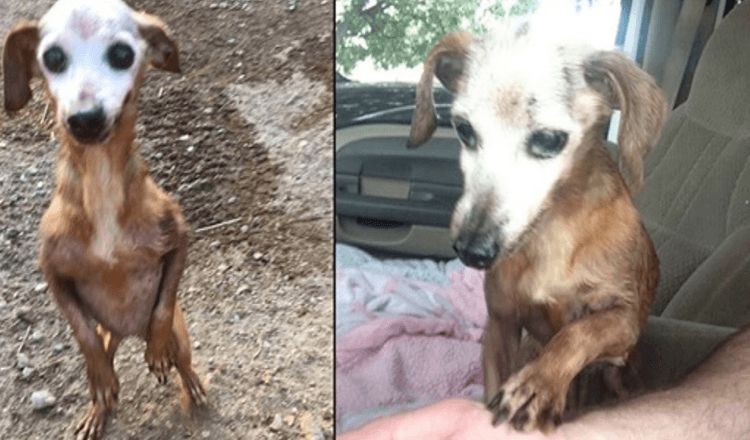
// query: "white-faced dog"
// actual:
[[113, 244], [545, 210]]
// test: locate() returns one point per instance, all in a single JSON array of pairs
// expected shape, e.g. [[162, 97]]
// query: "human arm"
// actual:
[[713, 402]]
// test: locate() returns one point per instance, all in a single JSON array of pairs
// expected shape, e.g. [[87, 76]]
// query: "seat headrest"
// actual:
[[720, 93]]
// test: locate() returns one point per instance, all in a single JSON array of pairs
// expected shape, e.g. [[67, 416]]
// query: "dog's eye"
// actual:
[[545, 144], [55, 59], [120, 56], [465, 133]]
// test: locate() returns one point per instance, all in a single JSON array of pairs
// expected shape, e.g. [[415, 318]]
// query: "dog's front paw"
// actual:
[[530, 400], [160, 357]]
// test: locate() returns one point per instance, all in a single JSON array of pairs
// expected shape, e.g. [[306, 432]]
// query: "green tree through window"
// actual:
[[401, 32]]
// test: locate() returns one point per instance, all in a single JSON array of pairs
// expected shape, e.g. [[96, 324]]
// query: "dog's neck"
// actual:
[[104, 178]]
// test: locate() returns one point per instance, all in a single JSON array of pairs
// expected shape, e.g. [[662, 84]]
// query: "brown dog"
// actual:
[[544, 209], [113, 244]]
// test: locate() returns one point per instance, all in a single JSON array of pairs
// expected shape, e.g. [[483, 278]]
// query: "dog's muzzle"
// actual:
[[479, 238], [88, 126], [477, 250]]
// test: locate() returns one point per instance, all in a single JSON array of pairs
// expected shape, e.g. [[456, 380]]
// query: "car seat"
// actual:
[[696, 206]]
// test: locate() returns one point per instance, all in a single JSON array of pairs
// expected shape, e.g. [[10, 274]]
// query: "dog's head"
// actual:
[[525, 108], [92, 55]]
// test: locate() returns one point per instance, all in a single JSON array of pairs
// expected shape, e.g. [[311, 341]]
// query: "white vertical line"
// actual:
[[632, 35]]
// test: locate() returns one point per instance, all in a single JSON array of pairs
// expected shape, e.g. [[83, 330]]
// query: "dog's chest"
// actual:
[[551, 277], [138, 254], [103, 199], [550, 283], [122, 306], [123, 297], [126, 257]]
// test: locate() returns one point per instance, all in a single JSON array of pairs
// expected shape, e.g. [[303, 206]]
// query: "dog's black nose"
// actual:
[[88, 126], [476, 251]]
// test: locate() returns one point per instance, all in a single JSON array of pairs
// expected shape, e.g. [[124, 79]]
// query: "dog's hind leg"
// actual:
[[191, 385], [110, 343], [160, 343], [91, 425]]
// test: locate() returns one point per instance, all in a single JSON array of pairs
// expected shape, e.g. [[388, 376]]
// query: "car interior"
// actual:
[[393, 205]]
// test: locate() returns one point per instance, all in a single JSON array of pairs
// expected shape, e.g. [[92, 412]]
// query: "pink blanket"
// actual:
[[414, 342]]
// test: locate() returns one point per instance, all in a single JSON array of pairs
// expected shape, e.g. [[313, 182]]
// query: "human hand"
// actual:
[[453, 419]]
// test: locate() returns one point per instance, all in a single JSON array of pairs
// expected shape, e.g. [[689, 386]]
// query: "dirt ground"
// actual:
[[243, 139]]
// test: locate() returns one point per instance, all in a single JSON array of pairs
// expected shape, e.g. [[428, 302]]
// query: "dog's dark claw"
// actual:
[[557, 419], [495, 400], [545, 416], [521, 417], [519, 420], [500, 416]]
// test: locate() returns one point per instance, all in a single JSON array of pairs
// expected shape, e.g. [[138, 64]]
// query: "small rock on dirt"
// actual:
[[289, 419], [26, 374], [23, 313], [41, 287], [277, 423], [22, 361], [42, 399], [36, 337], [327, 415]]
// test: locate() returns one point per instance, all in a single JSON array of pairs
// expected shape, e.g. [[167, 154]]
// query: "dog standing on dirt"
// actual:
[[113, 244], [545, 210]]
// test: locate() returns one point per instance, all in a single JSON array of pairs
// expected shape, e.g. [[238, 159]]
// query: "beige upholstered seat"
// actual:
[[697, 196]]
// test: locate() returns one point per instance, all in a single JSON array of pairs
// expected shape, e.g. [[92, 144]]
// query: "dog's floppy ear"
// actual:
[[643, 105], [446, 60], [19, 64], [163, 53]]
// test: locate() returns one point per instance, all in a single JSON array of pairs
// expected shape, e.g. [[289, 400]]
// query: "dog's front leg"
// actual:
[[534, 398], [502, 332], [98, 353], [500, 348], [161, 346]]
